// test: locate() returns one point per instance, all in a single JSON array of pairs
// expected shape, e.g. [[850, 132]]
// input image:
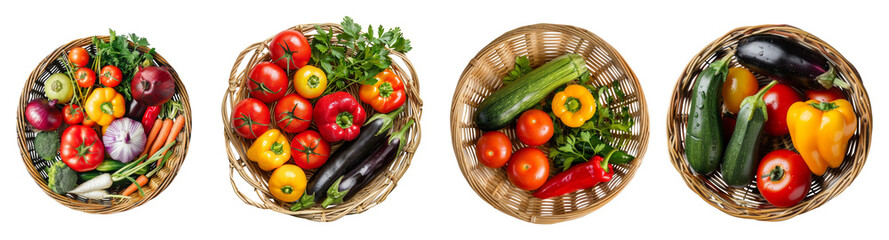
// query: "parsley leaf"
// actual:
[[522, 67]]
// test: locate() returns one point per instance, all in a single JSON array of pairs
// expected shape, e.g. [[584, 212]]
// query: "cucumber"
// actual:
[[742, 153], [704, 143], [502, 106]]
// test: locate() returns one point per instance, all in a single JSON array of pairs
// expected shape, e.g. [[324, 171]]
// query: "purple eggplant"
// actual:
[[348, 185], [787, 61], [373, 133]]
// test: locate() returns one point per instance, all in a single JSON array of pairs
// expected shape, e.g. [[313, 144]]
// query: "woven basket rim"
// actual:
[[374, 193], [642, 121], [156, 184], [731, 207]]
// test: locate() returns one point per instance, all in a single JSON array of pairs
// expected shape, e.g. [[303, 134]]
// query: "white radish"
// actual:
[[100, 182], [97, 194]]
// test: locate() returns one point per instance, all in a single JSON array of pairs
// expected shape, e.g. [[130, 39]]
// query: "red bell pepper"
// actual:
[[338, 117], [581, 176], [386, 94], [82, 149], [150, 115]]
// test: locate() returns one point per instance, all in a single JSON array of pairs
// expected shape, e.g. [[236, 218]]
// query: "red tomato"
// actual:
[[267, 82], [250, 118], [293, 113], [783, 178], [290, 50], [73, 114], [528, 168], [78, 56], [534, 127], [309, 150], [778, 99], [110, 76], [85, 77], [825, 95], [493, 149], [82, 149]]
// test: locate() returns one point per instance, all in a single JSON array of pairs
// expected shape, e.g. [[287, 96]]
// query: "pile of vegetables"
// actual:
[[318, 113], [724, 132], [553, 107], [115, 131]]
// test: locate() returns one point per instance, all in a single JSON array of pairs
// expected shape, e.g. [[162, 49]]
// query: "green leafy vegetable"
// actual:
[[354, 57], [117, 52], [522, 67], [61, 178], [47, 145]]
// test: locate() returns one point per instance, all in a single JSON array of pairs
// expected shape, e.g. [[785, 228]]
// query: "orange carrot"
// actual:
[[142, 180], [159, 142], [151, 136], [174, 132]]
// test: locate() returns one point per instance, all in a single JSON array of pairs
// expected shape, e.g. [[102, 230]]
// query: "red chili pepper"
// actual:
[[339, 116], [581, 176], [149, 117]]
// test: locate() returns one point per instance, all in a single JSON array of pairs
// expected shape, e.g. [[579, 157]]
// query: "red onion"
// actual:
[[124, 139], [153, 86], [43, 115]]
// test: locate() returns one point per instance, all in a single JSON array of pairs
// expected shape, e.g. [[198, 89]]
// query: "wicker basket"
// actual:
[[37, 166], [746, 202], [541, 43], [249, 171]]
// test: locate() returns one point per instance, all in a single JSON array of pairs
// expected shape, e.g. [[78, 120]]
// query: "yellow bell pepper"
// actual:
[[104, 105], [575, 105], [820, 132], [287, 183], [270, 151]]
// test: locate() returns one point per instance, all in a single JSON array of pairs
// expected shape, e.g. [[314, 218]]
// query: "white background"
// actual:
[[201, 40]]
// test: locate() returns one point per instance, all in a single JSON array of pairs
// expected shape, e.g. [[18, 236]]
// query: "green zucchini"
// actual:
[[704, 143], [742, 153], [502, 106]]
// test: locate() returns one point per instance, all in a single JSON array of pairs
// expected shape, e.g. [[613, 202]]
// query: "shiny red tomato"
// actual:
[[290, 50], [250, 118], [293, 113], [73, 114], [82, 149], [783, 178], [778, 99], [493, 149], [534, 127], [267, 82], [85, 77], [309, 150], [78, 56], [528, 168], [825, 95], [110, 76]]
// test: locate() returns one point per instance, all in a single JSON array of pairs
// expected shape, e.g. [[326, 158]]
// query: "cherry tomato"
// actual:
[[85, 77], [310, 82], [783, 178], [73, 114], [825, 95], [738, 85], [293, 113], [309, 150], [290, 50], [267, 82], [534, 127], [110, 76], [250, 118], [778, 100], [528, 168], [78, 56], [493, 149]]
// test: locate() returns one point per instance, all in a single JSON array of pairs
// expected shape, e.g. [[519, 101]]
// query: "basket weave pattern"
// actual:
[[37, 166], [236, 146], [541, 43], [746, 202]]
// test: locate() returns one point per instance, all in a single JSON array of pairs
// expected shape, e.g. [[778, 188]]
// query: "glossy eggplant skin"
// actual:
[[786, 61]]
